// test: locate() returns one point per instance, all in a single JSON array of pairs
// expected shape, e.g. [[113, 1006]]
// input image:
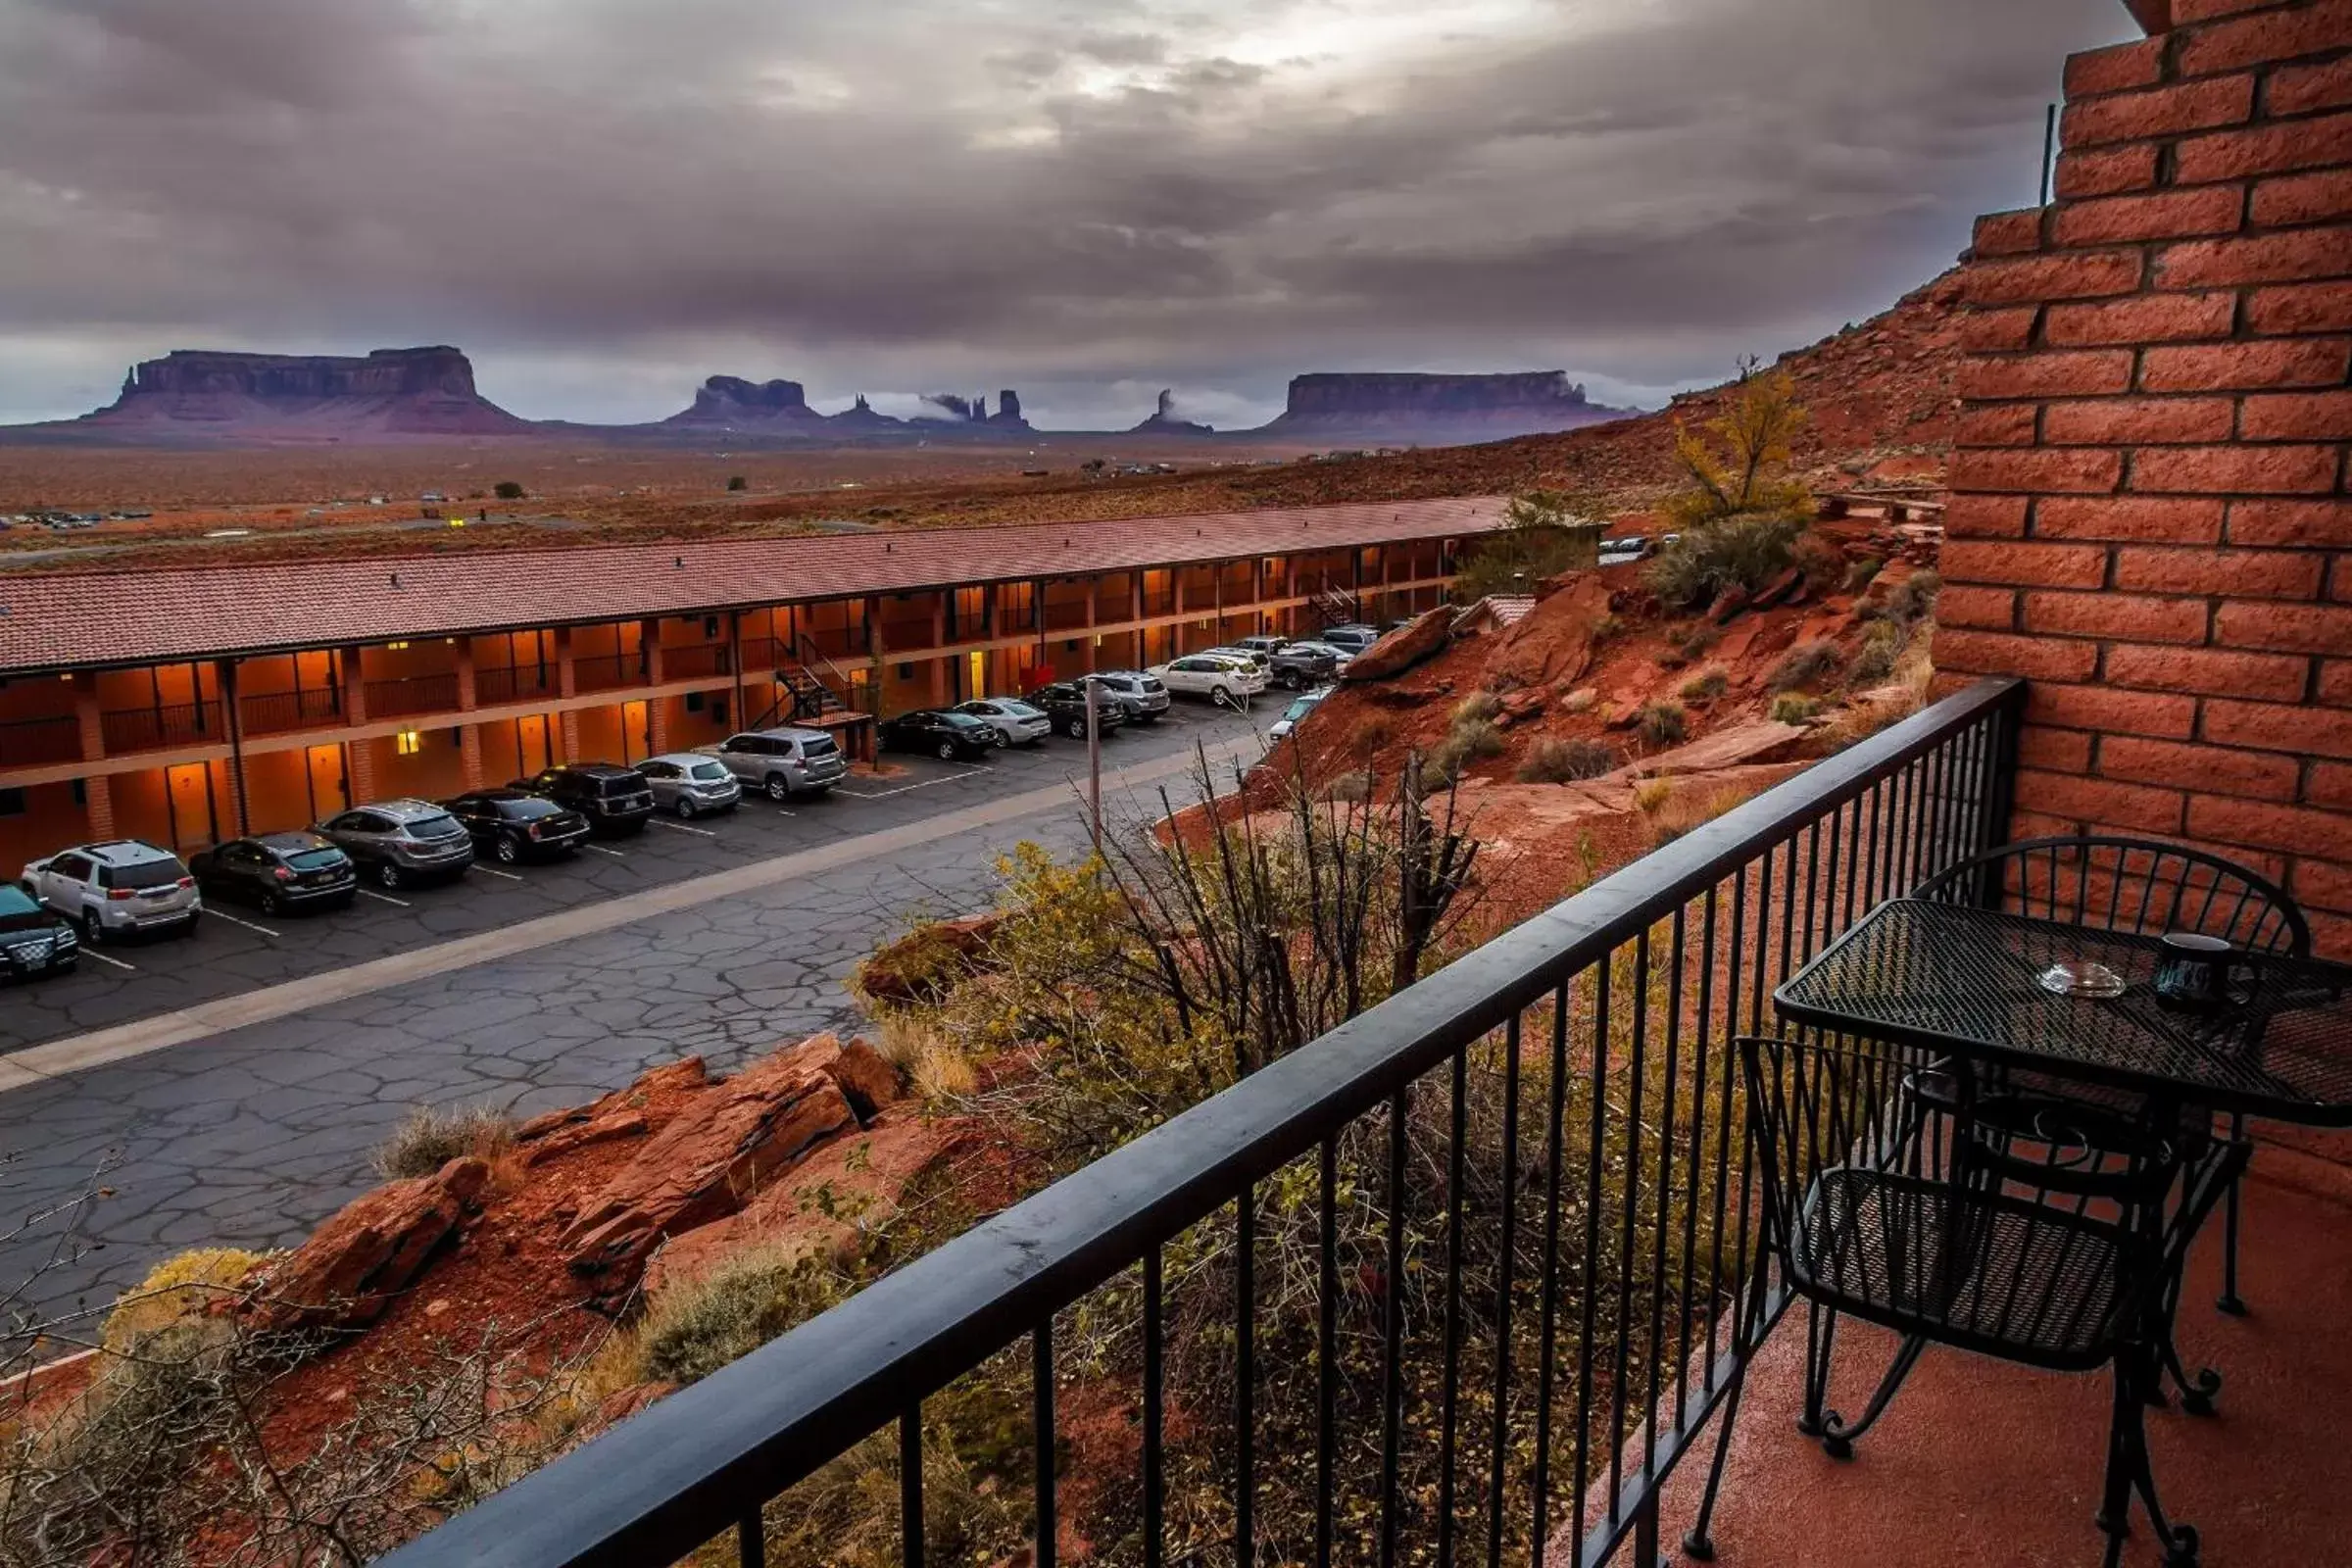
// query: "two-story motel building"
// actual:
[[188, 705]]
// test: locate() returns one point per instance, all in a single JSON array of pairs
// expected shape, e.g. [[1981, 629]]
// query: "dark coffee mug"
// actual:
[[2202, 971]]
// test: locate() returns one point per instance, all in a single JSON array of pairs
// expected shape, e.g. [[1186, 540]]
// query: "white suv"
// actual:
[[783, 762], [1223, 680], [116, 888]]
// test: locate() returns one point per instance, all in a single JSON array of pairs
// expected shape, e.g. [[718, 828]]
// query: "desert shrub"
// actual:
[[1794, 707], [1744, 551], [1651, 794], [507, 490], [1690, 643], [1705, 686], [1543, 534], [699, 1325], [1476, 707], [1882, 644], [1581, 701], [1860, 572], [1606, 627], [1472, 741], [1821, 562], [432, 1136], [1741, 471], [932, 1063], [1351, 787], [1914, 598], [1805, 665], [1372, 732], [1556, 760], [736, 481], [180, 1288], [1663, 723]]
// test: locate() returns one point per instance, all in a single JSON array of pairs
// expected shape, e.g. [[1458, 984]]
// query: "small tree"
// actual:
[[1741, 516], [1545, 533], [736, 481], [507, 490]]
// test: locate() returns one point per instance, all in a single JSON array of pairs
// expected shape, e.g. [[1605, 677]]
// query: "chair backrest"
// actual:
[[2143, 885]]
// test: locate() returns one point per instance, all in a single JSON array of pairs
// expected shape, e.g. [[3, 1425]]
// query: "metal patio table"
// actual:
[[1966, 982]]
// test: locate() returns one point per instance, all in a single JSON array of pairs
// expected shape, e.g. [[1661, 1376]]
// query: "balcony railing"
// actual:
[[25, 742], [1551, 1227], [276, 713], [762, 653], [414, 694], [151, 729], [696, 660], [604, 672], [502, 683]]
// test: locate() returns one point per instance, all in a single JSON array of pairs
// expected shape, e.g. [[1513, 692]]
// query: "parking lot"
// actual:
[[237, 950]]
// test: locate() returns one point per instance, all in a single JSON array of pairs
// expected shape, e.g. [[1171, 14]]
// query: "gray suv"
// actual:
[[687, 785], [1143, 696], [400, 842], [116, 888], [784, 762]]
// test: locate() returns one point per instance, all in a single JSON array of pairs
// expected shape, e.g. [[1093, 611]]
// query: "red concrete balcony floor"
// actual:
[[1980, 1464]]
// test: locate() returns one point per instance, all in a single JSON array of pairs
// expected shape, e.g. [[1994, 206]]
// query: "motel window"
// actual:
[[906, 673], [693, 702], [407, 742], [81, 792], [709, 626], [12, 802]]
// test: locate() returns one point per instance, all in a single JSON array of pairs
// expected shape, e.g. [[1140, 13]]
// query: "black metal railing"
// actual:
[[149, 729], [504, 683], [411, 693], [604, 672], [276, 713], [695, 661], [25, 742], [1473, 1256]]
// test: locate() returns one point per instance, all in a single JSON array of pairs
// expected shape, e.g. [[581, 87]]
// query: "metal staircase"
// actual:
[[807, 695]]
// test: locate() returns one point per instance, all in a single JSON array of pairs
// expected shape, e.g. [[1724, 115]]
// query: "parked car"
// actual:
[[1341, 658], [942, 731], [1248, 656], [278, 871], [784, 762], [1267, 645], [1015, 722], [686, 784], [1298, 665], [1356, 639], [1065, 703], [1143, 695], [514, 826], [402, 842], [614, 799], [115, 889], [1228, 682], [1300, 706], [34, 940]]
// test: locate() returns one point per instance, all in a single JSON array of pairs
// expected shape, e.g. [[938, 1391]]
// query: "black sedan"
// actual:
[[1065, 703], [277, 872], [943, 732], [34, 940], [511, 825]]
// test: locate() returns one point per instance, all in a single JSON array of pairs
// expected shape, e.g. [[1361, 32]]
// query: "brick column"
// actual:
[[2149, 519], [568, 722], [648, 642], [939, 639], [98, 801]]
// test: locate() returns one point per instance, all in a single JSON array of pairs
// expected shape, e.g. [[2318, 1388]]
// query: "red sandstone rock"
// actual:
[[1401, 650], [1521, 706], [1788, 585], [375, 1246], [869, 1081], [1553, 642], [688, 1072], [1728, 604], [709, 1160], [914, 967]]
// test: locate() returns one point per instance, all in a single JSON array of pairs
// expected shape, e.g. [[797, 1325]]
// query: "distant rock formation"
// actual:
[[1411, 407], [208, 394], [973, 411], [1163, 420], [733, 403]]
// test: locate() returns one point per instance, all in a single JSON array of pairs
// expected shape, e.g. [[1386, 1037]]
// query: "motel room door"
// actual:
[[328, 792], [636, 732], [189, 796]]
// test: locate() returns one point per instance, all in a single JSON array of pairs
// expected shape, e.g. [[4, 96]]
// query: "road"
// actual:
[[231, 1085]]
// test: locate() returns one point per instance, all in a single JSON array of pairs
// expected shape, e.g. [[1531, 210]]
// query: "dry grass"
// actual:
[[432, 1136], [1554, 761], [1664, 723]]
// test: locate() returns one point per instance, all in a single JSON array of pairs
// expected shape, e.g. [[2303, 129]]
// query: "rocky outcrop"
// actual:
[[729, 402], [1406, 407], [352, 1266], [632, 1112], [928, 961], [390, 392], [1401, 650], [711, 1157], [1165, 420], [1553, 643]]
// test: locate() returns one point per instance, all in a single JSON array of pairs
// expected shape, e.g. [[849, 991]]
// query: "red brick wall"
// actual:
[[2150, 518]]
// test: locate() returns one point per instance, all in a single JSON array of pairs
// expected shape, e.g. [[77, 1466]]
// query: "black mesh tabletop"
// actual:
[[1967, 981]]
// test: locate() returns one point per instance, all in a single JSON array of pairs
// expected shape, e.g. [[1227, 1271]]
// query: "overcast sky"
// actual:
[[604, 201]]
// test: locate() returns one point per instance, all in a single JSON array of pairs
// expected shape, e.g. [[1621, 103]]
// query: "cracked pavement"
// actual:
[[250, 1136]]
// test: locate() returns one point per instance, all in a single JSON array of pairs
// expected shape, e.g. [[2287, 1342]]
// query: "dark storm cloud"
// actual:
[[897, 195]]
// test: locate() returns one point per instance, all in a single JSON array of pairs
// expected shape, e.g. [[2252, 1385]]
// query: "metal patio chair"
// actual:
[[2020, 1228], [2146, 887]]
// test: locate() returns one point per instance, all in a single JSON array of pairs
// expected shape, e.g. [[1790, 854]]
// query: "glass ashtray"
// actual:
[[2082, 978]]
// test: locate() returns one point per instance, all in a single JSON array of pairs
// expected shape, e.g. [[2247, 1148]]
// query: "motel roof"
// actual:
[[59, 621]]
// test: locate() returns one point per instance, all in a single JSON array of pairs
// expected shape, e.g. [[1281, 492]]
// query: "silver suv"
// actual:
[[399, 842], [1142, 695], [784, 762], [116, 888], [688, 785]]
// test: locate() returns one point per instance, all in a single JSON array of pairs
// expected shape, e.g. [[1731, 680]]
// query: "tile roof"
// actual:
[[54, 622]]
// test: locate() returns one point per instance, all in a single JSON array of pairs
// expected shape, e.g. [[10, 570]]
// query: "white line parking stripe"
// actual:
[[601, 849], [103, 958], [492, 870], [247, 924], [921, 784], [385, 898], [681, 827]]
